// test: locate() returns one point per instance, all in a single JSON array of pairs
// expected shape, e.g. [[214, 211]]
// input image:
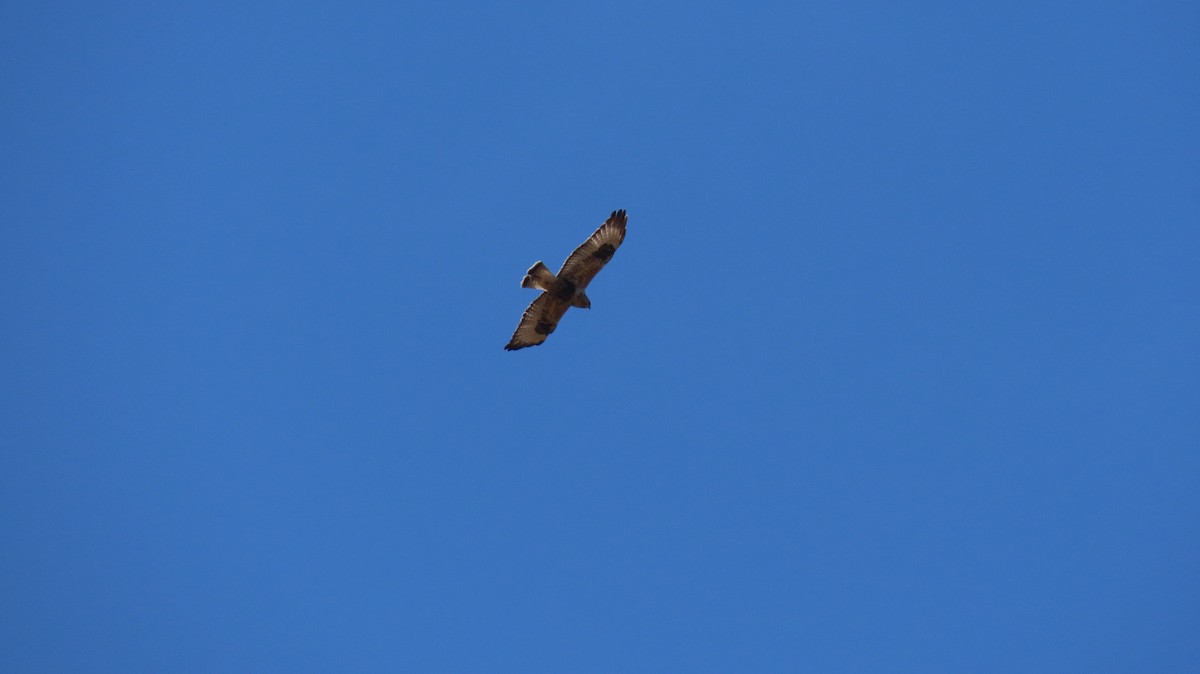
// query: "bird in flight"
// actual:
[[566, 289]]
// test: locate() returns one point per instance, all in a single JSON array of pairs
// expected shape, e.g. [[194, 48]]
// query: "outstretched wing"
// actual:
[[538, 322], [587, 260]]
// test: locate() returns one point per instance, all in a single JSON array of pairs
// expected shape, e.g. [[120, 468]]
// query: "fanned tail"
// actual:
[[539, 277]]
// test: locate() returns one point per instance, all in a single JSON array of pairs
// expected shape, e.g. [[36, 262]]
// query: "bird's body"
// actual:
[[567, 288], [539, 277]]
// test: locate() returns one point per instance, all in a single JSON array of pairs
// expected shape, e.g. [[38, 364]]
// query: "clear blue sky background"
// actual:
[[896, 371]]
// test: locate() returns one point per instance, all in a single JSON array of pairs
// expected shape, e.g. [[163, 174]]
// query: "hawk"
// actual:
[[566, 289]]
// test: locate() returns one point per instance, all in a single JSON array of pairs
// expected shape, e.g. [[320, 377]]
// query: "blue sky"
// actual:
[[896, 369]]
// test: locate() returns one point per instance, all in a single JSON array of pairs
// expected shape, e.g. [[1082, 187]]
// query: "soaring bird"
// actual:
[[566, 289]]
